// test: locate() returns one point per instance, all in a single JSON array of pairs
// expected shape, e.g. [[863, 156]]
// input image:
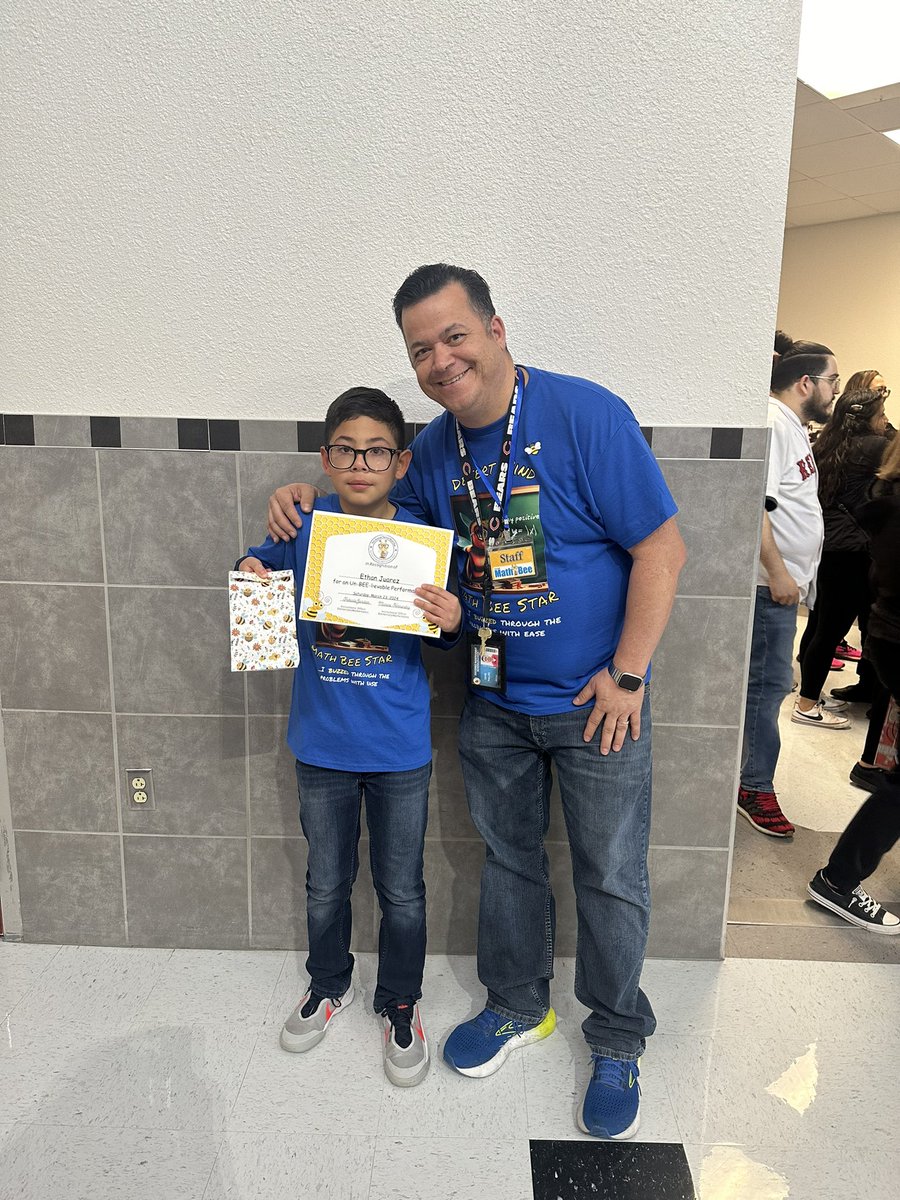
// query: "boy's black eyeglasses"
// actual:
[[376, 458]]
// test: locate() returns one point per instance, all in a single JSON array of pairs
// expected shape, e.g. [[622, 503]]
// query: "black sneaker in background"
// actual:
[[857, 907], [867, 778], [854, 693]]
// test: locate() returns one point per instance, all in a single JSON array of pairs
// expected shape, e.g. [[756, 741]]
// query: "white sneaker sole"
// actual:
[[521, 1039], [886, 930], [299, 1043], [407, 1076], [785, 837]]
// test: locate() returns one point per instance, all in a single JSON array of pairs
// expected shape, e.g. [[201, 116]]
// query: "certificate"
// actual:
[[364, 572]]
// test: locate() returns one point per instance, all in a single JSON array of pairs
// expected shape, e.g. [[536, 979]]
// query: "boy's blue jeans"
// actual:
[[770, 679], [396, 814], [507, 759]]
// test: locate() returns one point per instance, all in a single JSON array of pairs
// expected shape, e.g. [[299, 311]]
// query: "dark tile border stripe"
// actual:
[[18, 430], [726, 443], [106, 431], [201, 433], [563, 1170]]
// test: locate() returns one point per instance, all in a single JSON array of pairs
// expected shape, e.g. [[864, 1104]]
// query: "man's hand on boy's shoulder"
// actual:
[[441, 607], [255, 566], [284, 520]]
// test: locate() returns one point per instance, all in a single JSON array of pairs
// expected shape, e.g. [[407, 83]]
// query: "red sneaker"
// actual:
[[764, 813], [850, 653], [837, 664]]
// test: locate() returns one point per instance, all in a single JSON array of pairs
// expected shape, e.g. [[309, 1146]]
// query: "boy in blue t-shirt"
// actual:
[[360, 726]]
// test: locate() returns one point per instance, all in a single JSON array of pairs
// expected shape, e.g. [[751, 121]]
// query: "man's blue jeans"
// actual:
[[396, 814], [770, 680], [508, 759]]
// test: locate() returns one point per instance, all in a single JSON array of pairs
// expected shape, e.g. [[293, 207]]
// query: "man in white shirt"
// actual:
[[805, 382]]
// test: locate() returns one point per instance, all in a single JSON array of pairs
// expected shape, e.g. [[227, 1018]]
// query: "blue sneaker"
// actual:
[[480, 1047], [612, 1100]]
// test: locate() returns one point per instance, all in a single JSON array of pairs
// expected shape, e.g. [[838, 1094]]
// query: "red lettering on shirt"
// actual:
[[807, 466]]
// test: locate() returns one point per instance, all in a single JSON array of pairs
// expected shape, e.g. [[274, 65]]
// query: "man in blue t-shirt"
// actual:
[[568, 560], [360, 728]]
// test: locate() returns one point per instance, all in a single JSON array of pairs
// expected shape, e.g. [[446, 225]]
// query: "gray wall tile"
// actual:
[[681, 441], [448, 812], [199, 781], [694, 785], [261, 474], [273, 779], [51, 515], [170, 652], [53, 648], [754, 443], [62, 431], [447, 677], [279, 896], [150, 433], [721, 504], [189, 892], [61, 771], [688, 889], [699, 669], [169, 518], [452, 883], [269, 692], [269, 435], [70, 886]]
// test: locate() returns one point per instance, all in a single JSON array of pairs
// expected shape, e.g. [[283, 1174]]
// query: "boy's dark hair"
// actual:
[[365, 402], [792, 360], [427, 280]]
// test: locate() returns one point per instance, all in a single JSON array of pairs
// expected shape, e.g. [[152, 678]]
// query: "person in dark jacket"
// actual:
[[876, 827], [848, 453]]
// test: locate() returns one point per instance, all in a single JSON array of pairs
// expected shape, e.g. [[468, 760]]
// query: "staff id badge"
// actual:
[[511, 560], [487, 660]]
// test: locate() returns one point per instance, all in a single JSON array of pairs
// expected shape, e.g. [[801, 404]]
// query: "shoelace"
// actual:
[[488, 1021], [767, 802], [400, 1017], [866, 903], [610, 1072]]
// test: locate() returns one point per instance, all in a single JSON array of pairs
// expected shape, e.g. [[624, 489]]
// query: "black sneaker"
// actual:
[[867, 778], [855, 693], [857, 907]]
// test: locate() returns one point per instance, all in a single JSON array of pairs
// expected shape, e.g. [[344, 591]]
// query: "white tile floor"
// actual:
[[157, 1075]]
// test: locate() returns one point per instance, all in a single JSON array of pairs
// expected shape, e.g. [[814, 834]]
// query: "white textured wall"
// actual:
[[212, 201], [840, 284]]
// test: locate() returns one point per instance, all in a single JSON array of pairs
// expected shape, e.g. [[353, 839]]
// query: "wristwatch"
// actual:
[[630, 683]]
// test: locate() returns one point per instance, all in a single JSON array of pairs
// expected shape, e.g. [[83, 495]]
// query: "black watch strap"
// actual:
[[625, 680]]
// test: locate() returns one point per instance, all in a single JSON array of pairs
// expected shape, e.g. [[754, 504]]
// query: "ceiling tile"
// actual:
[[848, 154], [888, 91], [865, 182], [811, 191], [793, 176], [823, 122], [883, 115], [834, 210], [806, 95], [883, 201]]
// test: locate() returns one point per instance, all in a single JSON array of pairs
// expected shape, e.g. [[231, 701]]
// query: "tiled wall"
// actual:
[[114, 654]]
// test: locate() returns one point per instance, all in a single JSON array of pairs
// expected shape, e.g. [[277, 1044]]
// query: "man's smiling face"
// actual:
[[460, 361]]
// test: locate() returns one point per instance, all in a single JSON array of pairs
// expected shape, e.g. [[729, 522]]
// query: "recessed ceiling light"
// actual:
[[849, 48]]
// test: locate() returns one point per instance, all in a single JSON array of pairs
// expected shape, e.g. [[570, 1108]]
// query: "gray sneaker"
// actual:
[[406, 1057], [306, 1025]]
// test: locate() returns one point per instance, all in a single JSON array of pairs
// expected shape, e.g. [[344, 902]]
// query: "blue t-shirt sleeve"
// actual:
[[273, 555], [628, 487]]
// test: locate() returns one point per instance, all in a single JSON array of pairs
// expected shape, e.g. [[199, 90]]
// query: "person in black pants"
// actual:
[[876, 827], [848, 453]]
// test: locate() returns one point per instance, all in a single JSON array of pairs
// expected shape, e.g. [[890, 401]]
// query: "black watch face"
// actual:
[[631, 683]]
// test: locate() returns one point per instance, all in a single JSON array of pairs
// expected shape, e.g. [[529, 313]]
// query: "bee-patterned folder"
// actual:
[[263, 629]]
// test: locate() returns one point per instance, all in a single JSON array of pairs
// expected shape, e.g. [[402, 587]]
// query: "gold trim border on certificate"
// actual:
[[329, 524]]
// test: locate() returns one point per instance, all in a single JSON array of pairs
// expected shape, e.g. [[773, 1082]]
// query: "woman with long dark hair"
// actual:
[[848, 453], [876, 827]]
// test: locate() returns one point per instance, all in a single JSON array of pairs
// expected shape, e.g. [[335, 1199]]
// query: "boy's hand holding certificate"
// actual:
[[361, 571]]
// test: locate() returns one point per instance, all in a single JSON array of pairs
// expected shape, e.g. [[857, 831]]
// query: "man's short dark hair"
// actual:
[[427, 280], [365, 402], [792, 360]]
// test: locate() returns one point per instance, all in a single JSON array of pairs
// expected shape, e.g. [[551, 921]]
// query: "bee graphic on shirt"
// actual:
[[533, 449]]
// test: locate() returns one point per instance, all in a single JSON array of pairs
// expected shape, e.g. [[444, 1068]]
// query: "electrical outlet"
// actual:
[[140, 787]]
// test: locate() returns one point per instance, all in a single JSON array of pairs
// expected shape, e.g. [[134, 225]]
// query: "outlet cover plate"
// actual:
[[139, 788]]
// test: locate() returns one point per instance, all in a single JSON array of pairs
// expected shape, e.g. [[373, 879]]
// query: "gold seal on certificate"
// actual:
[[361, 571]]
